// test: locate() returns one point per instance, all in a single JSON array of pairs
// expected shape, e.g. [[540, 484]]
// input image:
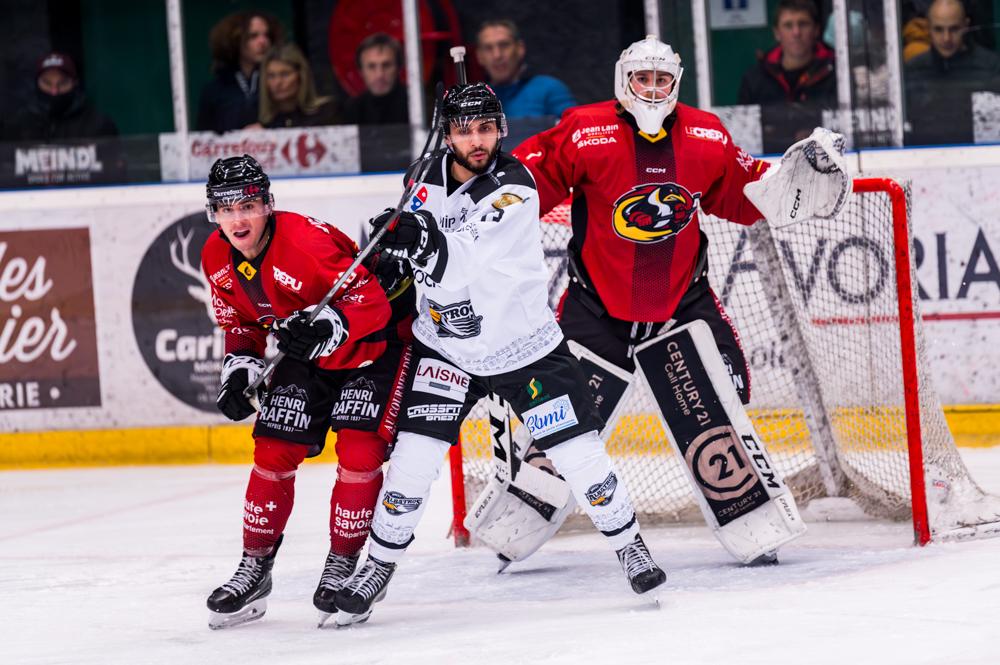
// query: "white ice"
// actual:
[[107, 566]]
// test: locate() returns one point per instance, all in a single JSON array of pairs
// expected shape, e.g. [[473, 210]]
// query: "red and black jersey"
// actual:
[[635, 198], [301, 261]]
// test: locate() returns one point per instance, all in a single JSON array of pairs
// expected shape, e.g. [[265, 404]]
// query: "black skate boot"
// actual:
[[244, 597], [642, 572], [365, 588], [337, 570]]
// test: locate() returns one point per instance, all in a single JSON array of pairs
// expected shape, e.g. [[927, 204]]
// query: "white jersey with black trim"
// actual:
[[483, 297]]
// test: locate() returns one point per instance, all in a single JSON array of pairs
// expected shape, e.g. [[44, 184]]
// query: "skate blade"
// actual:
[[324, 617], [252, 612], [504, 562], [344, 620]]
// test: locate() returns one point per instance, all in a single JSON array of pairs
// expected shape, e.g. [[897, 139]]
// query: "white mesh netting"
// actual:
[[822, 337]]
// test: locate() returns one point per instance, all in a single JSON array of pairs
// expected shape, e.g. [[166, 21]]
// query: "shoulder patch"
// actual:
[[507, 199]]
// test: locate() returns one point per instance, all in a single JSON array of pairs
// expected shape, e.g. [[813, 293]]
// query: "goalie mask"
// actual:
[[465, 107], [232, 181], [641, 86]]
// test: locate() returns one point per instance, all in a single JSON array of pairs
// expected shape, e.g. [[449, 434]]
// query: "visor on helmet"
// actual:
[[231, 203]]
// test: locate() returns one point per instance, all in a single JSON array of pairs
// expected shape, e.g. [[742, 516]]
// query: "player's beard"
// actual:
[[478, 170]]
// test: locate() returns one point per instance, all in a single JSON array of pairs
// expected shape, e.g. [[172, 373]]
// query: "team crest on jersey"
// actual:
[[247, 270], [456, 320], [419, 199], [654, 212]]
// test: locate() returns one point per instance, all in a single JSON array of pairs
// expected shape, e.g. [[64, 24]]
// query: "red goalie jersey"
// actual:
[[636, 198], [298, 266]]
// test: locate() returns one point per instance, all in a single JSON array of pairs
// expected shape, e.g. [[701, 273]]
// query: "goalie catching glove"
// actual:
[[415, 235], [304, 340], [811, 181], [238, 372]]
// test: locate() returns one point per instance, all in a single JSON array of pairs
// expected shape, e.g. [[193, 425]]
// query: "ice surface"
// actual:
[[105, 566]]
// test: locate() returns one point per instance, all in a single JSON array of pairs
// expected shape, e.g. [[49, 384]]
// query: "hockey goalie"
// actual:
[[639, 307]]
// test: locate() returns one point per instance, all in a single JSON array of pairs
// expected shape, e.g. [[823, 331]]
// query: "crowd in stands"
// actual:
[[261, 79]]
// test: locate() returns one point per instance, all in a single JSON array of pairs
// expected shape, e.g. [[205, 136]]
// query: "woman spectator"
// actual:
[[288, 97]]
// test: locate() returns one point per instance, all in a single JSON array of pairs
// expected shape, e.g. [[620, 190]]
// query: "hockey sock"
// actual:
[[359, 479], [415, 464], [585, 465], [270, 493]]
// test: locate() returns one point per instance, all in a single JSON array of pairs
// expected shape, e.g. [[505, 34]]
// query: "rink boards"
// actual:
[[108, 353]]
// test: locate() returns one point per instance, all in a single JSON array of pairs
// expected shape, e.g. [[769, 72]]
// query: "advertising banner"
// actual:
[[282, 152], [48, 343]]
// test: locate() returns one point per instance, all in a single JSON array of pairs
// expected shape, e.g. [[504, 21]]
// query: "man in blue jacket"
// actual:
[[500, 50]]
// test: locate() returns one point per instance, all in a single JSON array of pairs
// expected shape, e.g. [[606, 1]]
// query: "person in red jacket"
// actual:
[[639, 168], [267, 270]]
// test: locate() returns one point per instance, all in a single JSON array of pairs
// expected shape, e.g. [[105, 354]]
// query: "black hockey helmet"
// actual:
[[466, 102], [235, 179]]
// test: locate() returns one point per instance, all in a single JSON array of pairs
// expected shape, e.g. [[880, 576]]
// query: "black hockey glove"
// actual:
[[416, 236], [238, 372], [308, 341]]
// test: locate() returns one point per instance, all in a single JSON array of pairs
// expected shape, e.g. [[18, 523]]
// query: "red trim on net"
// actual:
[[458, 530], [907, 338]]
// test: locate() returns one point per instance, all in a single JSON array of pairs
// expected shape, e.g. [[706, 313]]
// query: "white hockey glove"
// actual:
[[238, 372], [811, 181], [306, 341]]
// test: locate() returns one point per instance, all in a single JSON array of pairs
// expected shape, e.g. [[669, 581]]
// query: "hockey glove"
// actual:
[[238, 372], [416, 236], [302, 340], [811, 181]]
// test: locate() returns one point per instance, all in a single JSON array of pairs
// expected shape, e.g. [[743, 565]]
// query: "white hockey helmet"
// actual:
[[650, 54]]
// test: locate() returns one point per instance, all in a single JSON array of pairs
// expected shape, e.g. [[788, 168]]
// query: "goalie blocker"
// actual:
[[739, 491]]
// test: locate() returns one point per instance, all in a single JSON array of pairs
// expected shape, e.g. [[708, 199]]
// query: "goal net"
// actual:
[[841, 391]]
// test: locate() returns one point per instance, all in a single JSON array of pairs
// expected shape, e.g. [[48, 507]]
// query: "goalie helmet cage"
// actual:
[[841, 391]]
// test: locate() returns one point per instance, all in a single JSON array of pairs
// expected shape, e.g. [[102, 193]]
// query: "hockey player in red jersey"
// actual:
[[640, 169], [344, 370]]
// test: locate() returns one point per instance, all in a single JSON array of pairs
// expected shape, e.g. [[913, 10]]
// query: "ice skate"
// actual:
[[365, 588], [337, 570], [642, 572], [244, 597]]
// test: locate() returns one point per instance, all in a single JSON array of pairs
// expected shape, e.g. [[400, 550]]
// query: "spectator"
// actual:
[[800, 68], [380, 59], [952, 57], [288, 97], [500, 50], [60, 110], [239, 43]]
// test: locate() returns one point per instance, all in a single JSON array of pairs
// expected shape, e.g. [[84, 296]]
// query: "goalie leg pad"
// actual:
[[516, 519], [611, 385], [741, 495]]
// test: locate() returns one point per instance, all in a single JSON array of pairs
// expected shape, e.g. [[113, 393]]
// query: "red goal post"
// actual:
[[841, 387]]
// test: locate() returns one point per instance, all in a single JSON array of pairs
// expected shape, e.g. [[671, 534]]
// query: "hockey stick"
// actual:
[[431, 145]]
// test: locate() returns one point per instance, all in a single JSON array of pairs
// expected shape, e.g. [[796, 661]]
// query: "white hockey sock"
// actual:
[[585, 465], [414, 466]]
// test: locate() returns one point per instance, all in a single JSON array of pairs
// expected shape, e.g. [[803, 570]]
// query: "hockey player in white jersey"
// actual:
[[471, 234]]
